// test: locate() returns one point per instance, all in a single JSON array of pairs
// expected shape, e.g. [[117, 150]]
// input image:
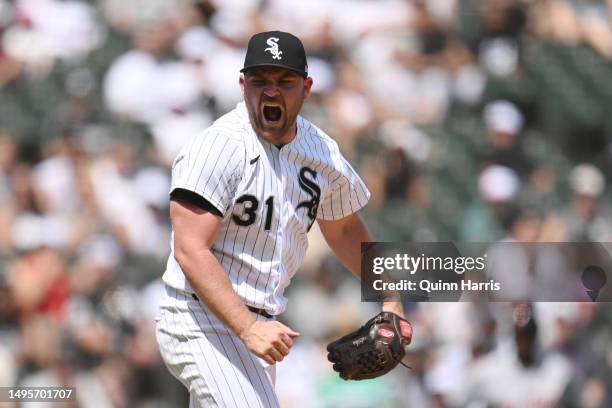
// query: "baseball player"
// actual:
[[245, 192]]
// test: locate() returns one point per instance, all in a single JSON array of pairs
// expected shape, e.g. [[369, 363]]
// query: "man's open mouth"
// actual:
[[272, 113]]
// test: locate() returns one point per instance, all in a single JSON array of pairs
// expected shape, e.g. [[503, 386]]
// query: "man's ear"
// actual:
[[241, 82], [307, 86]]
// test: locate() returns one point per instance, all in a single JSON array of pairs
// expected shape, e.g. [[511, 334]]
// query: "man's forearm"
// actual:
[[349, 252], [346, 244], [213, 287]]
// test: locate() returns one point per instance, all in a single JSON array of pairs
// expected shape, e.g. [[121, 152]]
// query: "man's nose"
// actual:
[[271, 90]]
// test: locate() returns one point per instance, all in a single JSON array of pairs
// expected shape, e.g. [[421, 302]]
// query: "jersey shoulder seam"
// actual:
[[314, 131]]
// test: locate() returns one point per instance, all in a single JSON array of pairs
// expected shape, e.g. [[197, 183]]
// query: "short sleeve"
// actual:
[[210, 165], [346, 194]]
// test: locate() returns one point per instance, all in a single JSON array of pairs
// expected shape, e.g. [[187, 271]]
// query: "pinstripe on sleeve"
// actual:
[[346, 194], [211, 165]]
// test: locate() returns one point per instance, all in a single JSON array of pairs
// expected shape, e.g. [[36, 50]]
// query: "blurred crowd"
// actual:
[[469, 120]]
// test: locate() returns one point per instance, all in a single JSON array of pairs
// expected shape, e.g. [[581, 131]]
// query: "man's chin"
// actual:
[[272, 127], [273, 135]]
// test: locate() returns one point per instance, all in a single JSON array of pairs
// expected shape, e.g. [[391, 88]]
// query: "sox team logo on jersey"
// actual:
[[273, 48], [312, 189]]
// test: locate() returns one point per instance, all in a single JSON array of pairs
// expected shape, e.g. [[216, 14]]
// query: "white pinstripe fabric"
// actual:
[[228, 161], [214, 365]]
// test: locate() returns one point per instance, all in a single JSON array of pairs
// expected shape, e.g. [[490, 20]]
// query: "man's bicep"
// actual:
[[331, 228], [341, 228], [193, 226]]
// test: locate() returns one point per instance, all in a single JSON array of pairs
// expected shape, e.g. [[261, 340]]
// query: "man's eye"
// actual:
[[257, 82]]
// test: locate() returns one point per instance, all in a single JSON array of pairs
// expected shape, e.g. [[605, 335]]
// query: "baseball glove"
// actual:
[[372, 350]]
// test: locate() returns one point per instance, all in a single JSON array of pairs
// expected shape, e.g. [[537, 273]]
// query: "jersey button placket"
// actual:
[[283, 204]]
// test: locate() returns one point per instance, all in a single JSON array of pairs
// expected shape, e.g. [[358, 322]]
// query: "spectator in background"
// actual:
[[149, 81], [483, 221], [512, 260], [153, 85], [571, 22], [504, 123], [529, 376], [582, 335], [39, 283], [585, 221]]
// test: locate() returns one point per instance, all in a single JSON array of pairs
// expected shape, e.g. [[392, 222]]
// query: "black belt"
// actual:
[[255, 310]]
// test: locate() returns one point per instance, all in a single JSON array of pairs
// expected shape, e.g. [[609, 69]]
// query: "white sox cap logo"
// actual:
[[264, 49], [273, 48]]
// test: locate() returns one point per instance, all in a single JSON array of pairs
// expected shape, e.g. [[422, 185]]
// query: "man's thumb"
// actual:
[[290, 332]]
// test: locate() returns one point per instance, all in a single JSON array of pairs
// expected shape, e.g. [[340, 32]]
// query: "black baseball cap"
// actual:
[[278, 49]]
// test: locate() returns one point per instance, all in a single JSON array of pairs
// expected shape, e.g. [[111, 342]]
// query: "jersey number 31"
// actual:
[[250, 204]]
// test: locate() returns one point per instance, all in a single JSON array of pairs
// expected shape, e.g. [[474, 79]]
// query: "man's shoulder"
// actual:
[[317, 135]]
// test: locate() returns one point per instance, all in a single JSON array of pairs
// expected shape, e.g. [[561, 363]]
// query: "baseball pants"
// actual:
[[214, 365]]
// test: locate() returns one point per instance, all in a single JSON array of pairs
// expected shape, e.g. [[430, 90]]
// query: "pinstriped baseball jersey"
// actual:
[[269, 198]]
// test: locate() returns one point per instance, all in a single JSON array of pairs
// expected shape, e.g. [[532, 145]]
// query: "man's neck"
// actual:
[[286, 139]]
